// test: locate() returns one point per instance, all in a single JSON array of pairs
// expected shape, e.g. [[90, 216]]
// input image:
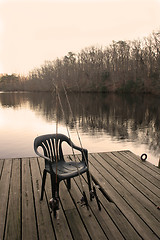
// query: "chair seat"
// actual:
[[67, 169]]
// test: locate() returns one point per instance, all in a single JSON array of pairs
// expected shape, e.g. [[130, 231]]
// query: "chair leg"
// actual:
[[89, 181], [43, 183], [68, 183]]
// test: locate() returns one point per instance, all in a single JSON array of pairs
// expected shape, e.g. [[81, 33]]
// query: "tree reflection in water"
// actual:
[[134, 118]]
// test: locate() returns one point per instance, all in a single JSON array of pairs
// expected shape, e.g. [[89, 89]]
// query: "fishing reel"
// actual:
[[54, 206], [92, 195], [84, 201]]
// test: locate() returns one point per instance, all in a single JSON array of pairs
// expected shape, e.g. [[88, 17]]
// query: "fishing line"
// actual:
[[69, 137], [75, 124], [93, 190], [84, 200]]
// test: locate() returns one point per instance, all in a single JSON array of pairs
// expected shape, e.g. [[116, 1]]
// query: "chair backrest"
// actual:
[[51, 145]]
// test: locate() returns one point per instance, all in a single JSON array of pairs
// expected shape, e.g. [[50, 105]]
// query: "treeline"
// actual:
[[123, 66], [12, 82]]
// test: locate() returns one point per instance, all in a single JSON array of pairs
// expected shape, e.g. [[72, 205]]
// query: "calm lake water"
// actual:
[[105, 122]]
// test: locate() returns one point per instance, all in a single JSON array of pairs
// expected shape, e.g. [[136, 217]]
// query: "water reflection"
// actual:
[[132, 118]]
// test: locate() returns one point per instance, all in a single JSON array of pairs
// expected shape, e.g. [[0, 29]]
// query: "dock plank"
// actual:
[[143, 206], [128, 191], [4, 195], [29, 225], [61, 227], [88, 217], [13, 223], [149, 200], [74, 220], [121, 197], [105, 221], [145, 178], [44, 224], [1, 166], [145, 164], [119, 220], [141, 168]]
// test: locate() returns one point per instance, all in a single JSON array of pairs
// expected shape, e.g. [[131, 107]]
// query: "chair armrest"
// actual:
[[47, 159], [40, 155], [83, 151]]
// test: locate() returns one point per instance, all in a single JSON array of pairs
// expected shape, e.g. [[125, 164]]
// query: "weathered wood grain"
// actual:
[[61, 227], [122, 198], [29, 225], [1, 166], [44, 224], [4, 195], [13, 223], [104, 220], [145, 164], [141, 167], [127, 179], [75, 222], [129, 193]]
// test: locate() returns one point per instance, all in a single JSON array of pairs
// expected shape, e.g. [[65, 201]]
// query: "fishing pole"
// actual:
[[54, 201], [84, 200], [93, 192]]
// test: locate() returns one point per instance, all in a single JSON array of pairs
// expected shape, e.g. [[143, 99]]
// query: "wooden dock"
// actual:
[[129, 192]]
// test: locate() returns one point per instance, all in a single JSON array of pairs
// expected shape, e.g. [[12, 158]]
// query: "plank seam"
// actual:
[[149, 165], [66, 219], [139, 173], [45, 194], [7, 201], [103, 191], [134, 186], [2, 169], [34, 204], [21, 198], [131, 158], [141, 182], [128, 205], [90, 206], [104, 194], [74, 202]]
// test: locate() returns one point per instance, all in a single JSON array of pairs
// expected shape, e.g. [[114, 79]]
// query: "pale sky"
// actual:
[[32, 31]]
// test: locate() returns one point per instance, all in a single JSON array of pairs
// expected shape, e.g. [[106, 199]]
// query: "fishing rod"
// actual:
[[93, 193], [54, 202], [84, 200]]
